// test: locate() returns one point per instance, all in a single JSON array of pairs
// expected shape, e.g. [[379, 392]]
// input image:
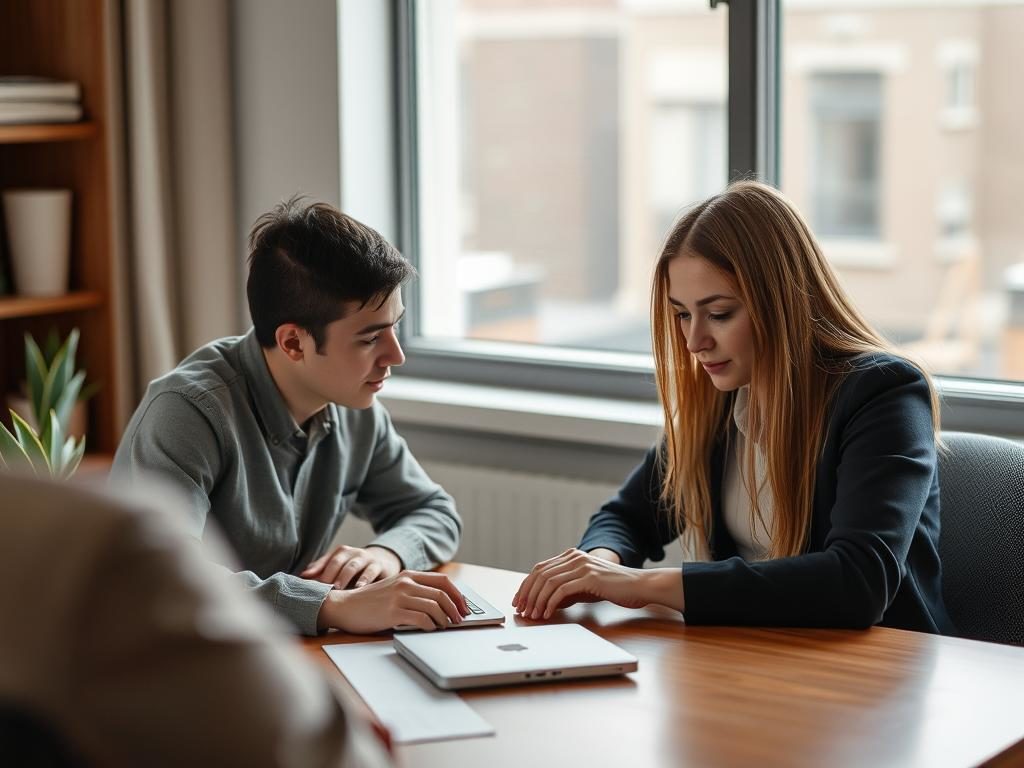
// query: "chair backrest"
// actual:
[[982, 538]]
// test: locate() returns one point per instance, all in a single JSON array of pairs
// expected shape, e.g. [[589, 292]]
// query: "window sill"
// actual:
[[521, 413], [969, 405]]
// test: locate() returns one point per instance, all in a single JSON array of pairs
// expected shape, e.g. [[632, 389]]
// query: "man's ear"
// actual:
[[290, 338]]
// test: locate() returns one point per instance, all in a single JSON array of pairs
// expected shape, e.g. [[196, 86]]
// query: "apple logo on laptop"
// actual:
[[512, 647]]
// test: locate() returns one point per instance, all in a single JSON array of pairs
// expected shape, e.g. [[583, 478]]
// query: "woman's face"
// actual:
[[713, 321]]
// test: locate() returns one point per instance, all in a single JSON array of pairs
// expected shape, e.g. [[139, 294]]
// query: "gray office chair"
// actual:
[[982, 537]]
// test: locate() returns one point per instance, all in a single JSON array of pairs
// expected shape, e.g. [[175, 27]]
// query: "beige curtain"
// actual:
[[173, 172]]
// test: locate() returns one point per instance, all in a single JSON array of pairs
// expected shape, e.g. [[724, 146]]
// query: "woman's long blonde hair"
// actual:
[[806, 333]]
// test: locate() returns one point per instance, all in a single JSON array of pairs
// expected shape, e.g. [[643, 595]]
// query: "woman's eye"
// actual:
[[683, 315], [721, 316]]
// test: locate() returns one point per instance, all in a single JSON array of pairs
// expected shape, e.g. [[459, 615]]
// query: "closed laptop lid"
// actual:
[[489, 652]]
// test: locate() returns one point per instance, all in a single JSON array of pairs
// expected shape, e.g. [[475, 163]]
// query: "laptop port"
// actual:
[[555, 674], [541, 674]]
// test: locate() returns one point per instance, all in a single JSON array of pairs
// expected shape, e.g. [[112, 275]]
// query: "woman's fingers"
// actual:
[[540, 586], [556, 566], [524, 588], [563, 592], [556, 580]]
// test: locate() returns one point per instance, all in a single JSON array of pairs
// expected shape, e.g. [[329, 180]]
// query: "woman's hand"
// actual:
[[575, 576]]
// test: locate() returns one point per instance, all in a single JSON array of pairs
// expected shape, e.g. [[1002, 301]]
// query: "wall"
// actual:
[[285, 60]]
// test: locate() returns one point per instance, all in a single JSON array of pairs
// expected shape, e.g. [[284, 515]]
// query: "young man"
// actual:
[[277, 435]]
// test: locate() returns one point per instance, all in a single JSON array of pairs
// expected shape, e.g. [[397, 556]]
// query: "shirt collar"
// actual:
[[741, 410], [270, 405]]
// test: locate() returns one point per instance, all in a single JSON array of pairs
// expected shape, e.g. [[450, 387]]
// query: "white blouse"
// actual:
[[751, 534]]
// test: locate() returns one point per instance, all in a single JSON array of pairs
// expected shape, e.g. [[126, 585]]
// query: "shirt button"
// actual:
[[274, 440]]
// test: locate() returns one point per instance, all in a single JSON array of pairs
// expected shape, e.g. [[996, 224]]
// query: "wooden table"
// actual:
[[738, 696]]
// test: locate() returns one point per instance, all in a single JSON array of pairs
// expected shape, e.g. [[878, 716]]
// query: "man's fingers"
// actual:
[[370, 574], [444, 600], [332, 568], [413, 618], [429, 607], [442, 582], [314, 568], [349, 572]]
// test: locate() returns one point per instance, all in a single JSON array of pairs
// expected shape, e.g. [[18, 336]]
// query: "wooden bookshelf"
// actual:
[[31, 306], [31, 133], [65, 40]]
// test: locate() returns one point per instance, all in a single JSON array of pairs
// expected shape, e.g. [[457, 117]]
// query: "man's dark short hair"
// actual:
[[306, 262]]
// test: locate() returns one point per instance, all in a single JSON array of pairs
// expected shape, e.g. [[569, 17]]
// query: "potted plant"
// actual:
[[39, 362], [54, 388]]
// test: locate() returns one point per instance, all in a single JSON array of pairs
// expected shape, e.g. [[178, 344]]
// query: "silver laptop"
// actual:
[[515, 655], [481, 612]]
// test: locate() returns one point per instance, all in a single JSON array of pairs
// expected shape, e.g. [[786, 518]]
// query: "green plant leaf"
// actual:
[[35, 375], [46, 439], [67, 451], [53, 384], [89, 389], [74, 458], [52, 345], [67, 400], [53, 443], [66, 367], [29, 441], [13, 455]]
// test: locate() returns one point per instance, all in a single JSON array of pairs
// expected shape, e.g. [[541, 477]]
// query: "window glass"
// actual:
[[557, 142], [901, 132]]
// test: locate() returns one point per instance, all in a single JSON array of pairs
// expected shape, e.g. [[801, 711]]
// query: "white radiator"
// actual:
[[512, 519]]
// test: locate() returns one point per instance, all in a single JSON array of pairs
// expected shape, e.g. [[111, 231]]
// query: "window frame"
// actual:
[[752, 151]]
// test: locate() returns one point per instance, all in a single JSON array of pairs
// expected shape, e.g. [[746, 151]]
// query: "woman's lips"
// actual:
[[714, 368]]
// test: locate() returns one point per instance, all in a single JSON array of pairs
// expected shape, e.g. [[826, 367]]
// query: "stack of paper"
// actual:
[[39, 100], [403, 700]]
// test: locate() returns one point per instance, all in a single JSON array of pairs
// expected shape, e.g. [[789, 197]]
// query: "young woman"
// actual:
[[799, 452]]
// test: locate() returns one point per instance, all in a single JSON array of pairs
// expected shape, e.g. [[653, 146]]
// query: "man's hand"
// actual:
[[411, 598], [347, 567]]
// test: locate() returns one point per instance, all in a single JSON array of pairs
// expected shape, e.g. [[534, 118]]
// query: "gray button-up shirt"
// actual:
[[218, 428]]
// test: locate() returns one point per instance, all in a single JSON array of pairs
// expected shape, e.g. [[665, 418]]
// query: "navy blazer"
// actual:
[[872, 554]]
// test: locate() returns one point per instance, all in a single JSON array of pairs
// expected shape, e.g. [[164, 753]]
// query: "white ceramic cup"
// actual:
[[39, 235]]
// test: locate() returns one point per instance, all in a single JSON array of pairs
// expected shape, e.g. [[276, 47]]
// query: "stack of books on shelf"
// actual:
[[39, 100]]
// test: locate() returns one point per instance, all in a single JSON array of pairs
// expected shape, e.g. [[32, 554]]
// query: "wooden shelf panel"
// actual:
[[37, 132], [30, 306]]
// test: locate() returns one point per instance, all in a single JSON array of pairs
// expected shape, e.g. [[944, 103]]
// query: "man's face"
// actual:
[[357, 356]]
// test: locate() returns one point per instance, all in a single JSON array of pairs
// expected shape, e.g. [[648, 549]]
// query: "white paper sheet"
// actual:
[[408, 704]]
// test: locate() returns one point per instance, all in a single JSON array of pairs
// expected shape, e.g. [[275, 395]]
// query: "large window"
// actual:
[[900, 139], [545, 147], [556, 143]]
